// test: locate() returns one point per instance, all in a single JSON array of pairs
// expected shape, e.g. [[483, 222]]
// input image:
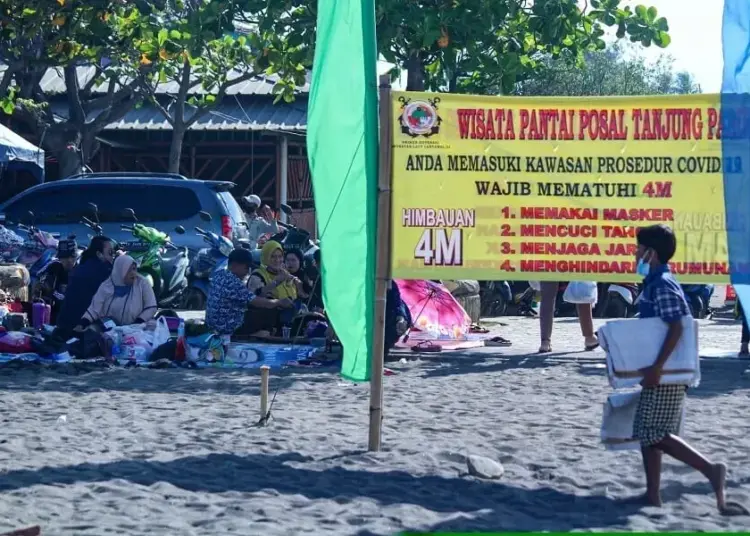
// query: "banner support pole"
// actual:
[[383, 262]]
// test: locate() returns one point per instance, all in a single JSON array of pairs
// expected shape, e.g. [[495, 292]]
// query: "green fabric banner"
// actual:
[[342, 147]]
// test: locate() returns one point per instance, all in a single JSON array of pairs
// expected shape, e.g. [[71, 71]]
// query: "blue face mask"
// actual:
[[642, 268]]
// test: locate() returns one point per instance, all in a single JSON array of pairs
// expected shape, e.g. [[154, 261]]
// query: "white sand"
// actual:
[[173, 452]]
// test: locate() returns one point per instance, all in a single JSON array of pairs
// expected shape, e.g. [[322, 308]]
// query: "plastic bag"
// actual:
[[161, 332], [536, 285], [581, 292]]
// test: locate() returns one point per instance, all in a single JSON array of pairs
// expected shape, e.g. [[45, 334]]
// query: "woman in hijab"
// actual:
[[272, 280], [126, 297]]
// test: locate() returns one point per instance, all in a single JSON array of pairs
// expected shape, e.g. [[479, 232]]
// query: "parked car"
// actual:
[[163, 201]]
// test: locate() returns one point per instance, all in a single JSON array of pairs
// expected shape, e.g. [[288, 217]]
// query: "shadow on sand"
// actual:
[[475, 504]]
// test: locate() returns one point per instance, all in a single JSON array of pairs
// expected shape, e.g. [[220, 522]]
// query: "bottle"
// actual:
[[39, 314], [180, 350], [116, 344]]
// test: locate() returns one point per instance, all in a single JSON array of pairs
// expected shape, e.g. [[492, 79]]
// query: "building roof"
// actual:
[[234, 113], [53, 83]]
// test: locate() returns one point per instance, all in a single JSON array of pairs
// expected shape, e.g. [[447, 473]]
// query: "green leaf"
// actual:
[[641, 11], [652, 13], [661, 24], [174, 34], [663, 39], [162, 36], [210, 99], [28, 11], [7, 106]]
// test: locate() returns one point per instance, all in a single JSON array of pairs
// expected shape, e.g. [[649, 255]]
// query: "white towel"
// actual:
[[617, 421], [634, 344]]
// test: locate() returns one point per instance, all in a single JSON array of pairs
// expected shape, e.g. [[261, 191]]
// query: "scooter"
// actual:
[[698, 298], [291, 237], [617, 300], [204, 265], [38, 250], [495, 296], [166, 276]]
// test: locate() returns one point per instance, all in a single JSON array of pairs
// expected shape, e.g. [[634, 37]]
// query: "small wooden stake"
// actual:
[[264, 373]]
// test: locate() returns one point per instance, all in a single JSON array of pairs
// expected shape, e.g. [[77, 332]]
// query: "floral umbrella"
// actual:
[[434, 310]]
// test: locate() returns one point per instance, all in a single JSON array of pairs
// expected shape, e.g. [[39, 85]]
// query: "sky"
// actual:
[[695, 29]]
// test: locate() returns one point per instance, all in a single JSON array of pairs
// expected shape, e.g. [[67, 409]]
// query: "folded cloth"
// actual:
[[617, 421], [634, 344]]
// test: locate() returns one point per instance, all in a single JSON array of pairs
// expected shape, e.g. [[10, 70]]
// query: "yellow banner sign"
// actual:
[[508, 188]]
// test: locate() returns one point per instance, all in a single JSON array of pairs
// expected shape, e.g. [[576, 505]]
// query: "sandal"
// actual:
[[476, 328], [498, 341], [593, 345], [546, 347], [427, 347]]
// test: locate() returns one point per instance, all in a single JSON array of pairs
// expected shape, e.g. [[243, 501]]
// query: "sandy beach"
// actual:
[[174, 452]]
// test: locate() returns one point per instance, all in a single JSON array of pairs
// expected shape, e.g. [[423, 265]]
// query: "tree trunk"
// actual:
[[415, 68], [69, 161], [175, 149]]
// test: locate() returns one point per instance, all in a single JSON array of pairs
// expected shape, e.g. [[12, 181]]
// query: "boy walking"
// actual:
[[659, 412]]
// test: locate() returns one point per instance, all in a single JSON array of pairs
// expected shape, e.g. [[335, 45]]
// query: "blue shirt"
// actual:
[[228, 298], [662, 296]]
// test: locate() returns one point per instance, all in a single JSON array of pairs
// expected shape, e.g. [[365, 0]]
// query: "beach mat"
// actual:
[[246, 356], [446, 345]]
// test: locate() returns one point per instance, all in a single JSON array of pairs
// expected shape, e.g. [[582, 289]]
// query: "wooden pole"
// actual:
[[383, 266], [264, 373]]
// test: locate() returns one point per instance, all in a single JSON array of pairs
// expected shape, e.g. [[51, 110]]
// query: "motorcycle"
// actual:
[[698, 298], [291, 237], [206, 262], [494, 296], [166, 276], [617, 300], [39, 249]]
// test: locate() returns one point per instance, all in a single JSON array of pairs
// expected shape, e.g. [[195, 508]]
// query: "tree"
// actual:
[[196, 46], [66, 35], [615, 71]]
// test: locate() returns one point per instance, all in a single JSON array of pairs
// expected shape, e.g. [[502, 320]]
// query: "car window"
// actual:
[[235, 212], [65, 205], [51, 205], [151, 203]]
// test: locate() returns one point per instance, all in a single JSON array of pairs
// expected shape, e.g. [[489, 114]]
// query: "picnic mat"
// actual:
[[244, 356]]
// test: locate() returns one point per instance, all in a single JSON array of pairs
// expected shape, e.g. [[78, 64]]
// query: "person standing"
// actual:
[[659, 412], [547, 317], [260, 220]]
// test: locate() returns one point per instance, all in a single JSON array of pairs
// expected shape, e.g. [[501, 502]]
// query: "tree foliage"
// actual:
[[487, 46], [133, 46], [196, 47], [63, 35], [615, 71]]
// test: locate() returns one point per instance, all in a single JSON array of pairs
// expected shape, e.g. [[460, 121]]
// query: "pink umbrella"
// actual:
[[434, 310]]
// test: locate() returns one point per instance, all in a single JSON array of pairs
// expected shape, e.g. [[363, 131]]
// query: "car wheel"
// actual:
[[195, 300]]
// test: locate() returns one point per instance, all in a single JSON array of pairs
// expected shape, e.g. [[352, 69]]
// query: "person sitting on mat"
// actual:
[[229, 297], [126, 297], [272, 281], [53, 280], [84, 281]]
